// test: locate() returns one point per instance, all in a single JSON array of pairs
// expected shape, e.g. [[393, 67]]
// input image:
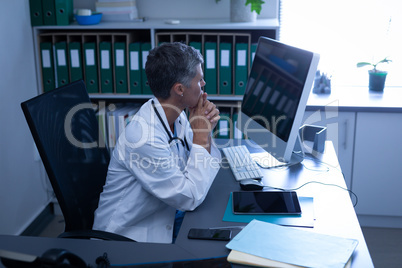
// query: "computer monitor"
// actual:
[[275, 99]]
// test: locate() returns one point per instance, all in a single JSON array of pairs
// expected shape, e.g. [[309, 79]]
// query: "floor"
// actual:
[[385, 244]]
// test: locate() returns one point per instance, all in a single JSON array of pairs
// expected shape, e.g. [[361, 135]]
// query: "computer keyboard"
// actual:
[[241, 163]]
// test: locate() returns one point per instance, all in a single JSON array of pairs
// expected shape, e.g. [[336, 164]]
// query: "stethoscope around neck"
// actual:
[[171, 138]]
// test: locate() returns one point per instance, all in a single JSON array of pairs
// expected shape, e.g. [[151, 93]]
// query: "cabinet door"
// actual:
[[340, 130], [377, 178]]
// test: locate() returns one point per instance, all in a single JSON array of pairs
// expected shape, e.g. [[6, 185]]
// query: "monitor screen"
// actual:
[[277, 90]]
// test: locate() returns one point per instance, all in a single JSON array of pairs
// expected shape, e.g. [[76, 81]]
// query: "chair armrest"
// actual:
[[87, 234]]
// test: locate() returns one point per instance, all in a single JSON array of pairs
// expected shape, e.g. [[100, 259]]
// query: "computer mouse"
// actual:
[[251, 185]]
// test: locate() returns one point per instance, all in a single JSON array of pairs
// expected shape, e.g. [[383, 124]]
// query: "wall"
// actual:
[[187, 9], [22, 181]]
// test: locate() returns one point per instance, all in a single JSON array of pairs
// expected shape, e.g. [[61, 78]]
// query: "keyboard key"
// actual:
[[241, 163]]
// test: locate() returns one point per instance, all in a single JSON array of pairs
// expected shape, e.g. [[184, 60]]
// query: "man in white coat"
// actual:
[[164, 162]]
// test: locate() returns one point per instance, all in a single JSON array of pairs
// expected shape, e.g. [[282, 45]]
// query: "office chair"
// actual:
[[66, 133]]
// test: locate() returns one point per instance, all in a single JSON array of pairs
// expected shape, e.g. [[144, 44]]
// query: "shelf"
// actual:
[[148, 32], [201, 24], [146, 97]]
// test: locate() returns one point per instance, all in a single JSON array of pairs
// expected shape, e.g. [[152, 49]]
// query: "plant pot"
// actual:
[[377, 81], [239, 12]]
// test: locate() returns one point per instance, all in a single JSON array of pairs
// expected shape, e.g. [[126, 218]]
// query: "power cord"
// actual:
[[318, 182], [328, 168]]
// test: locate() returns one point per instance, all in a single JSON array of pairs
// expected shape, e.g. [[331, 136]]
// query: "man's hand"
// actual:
[[203, 118]]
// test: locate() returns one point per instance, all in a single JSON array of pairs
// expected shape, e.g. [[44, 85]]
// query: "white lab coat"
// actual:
[[148, 179]]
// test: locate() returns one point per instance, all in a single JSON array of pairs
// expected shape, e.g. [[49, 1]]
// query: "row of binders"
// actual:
[[51, 12], [114, 63], [227, 58], [227, 124], [113, 119], [107, 63]]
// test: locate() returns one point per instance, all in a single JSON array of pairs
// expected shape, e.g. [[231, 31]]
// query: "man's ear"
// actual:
[[178, 89]]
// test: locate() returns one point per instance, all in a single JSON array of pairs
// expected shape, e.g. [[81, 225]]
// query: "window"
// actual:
[[345, 32]]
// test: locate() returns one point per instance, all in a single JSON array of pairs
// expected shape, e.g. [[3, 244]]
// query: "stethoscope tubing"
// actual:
[[171, 138]]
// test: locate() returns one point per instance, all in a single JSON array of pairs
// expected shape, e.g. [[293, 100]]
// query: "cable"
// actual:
[[327, 166], [318, 182]]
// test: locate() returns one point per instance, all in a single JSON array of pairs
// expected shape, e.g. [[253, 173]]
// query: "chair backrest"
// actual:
[[65, 130]]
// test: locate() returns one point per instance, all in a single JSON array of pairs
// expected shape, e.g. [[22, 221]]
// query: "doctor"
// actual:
[[164, 162]]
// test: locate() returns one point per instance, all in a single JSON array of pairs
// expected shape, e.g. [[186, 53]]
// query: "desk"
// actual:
[[333, 211]]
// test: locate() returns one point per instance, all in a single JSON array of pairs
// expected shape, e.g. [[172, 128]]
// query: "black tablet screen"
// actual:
[[269, 202]]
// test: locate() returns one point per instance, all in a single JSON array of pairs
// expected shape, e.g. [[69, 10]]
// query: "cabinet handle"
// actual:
[[345, 144]]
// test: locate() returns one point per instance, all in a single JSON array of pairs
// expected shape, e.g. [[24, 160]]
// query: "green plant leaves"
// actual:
[[256, 5], [361, 64], [364, 63]]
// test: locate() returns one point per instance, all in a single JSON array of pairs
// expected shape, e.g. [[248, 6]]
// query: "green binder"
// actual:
[[210, 72], [63, 11], [106, 73], [135, 68], [252, 53], [35, 10], [75, 61], [145, 48], [47, 66], [237, 134], [62, 78], [225, 68], [196, 45], [241, 68], [120, 67], [91, 67], [224, 125], [49, 16]]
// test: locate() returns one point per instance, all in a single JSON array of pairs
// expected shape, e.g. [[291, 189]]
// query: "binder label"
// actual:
[[223, 128], [134, 66], [210, 59], [90, 57], [61, 57], [144, 58], [75, 59], [46, 59], [225, 58], [120, 57], [105, 64], [241, 58], [237, 133]]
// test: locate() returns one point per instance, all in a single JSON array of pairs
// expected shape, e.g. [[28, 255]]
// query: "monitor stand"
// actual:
[[266, 160]]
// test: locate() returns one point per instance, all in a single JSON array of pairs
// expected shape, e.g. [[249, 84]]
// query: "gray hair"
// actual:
[[171, 63]]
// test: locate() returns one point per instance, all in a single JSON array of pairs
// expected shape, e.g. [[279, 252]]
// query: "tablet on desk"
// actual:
[[269, 202]]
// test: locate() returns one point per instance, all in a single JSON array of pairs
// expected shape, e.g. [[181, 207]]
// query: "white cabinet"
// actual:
[[366, 130], [377, 176], [340, 130]]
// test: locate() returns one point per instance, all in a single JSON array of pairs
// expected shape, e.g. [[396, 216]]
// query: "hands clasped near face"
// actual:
[[203, 118]]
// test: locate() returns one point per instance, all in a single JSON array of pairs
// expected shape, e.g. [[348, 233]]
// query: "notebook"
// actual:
[[293, 246]]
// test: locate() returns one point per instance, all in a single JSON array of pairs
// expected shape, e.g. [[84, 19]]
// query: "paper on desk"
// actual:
[[249, 259], [293, 246], [305, 220]]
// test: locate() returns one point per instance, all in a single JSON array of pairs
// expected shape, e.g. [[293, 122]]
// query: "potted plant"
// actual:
[[239, 12], [376, 77]]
